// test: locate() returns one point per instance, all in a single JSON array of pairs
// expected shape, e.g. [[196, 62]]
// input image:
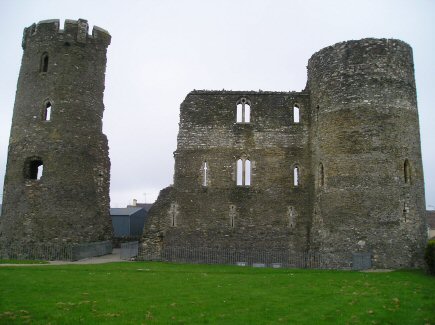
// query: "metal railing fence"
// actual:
[[257, 258], [54, 251], [129, 250], [194, 255]]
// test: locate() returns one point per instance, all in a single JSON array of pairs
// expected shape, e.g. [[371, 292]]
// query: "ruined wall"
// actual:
[[366, 136], [357, 148], [269, 213], [57, 129]]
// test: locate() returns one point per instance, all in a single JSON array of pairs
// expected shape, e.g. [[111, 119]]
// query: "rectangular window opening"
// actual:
[[296, 115], [296, 176], [205, 169]]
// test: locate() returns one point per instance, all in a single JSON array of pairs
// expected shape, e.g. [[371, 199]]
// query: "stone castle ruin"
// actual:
[[334, 169], [56, 186]]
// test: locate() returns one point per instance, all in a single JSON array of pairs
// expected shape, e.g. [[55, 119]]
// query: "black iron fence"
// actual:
[[194, 255], [257, 258], [129, 250], [54, 251]]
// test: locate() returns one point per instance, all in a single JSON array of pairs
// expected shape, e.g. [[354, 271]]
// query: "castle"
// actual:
[[335, 168]]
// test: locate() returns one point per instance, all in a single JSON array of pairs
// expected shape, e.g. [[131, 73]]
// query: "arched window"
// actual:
[[34, 168], [44, 62], [321, 175], [204, 175], [296, 176], [247, 113], [46, 112], [239, 172], [239, 113], [247, 172], [243, 112], [407, 171], [243, 172], [296, 114]]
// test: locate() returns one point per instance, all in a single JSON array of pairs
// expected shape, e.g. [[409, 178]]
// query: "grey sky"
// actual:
[[161, 50]]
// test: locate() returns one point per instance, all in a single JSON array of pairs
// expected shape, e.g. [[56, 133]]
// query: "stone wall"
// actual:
[[57, 128], [356, 147], [269, 213]]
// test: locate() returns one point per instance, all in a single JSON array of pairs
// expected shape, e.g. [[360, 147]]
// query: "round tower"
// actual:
[[369, 189], [56, 186]]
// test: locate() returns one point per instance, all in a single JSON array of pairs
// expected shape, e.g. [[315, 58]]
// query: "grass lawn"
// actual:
[[159, 293]]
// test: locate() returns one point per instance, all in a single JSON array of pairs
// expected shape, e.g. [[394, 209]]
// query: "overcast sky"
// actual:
[[161, 50]]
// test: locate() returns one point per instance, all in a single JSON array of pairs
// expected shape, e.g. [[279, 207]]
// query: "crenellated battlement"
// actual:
[[74, 30]]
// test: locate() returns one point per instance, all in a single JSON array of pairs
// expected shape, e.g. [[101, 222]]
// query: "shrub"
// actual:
[[429, 256]]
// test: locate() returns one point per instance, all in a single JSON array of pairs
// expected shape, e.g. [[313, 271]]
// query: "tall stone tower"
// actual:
[[56, 186], [369, 190]]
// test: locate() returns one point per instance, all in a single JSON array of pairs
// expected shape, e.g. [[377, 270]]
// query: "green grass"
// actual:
[[159, 293], [22, 262]]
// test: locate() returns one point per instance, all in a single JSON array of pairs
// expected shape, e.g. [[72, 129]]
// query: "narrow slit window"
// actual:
[[321, 175], [232, 215], [296, 114], [407, 171], [173, 215], [44, 63], [296, 176], [46, 115], [205, 170]]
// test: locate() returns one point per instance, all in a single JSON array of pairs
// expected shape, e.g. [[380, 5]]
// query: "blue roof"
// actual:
[[123, 211]]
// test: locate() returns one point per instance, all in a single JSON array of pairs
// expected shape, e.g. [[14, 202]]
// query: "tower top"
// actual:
[[74, 30], [377, 45]]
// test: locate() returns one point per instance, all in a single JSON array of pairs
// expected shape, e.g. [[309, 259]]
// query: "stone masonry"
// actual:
[[334, 169], [56, 187]]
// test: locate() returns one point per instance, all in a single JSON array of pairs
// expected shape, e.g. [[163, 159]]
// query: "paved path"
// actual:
[[114, 257]]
